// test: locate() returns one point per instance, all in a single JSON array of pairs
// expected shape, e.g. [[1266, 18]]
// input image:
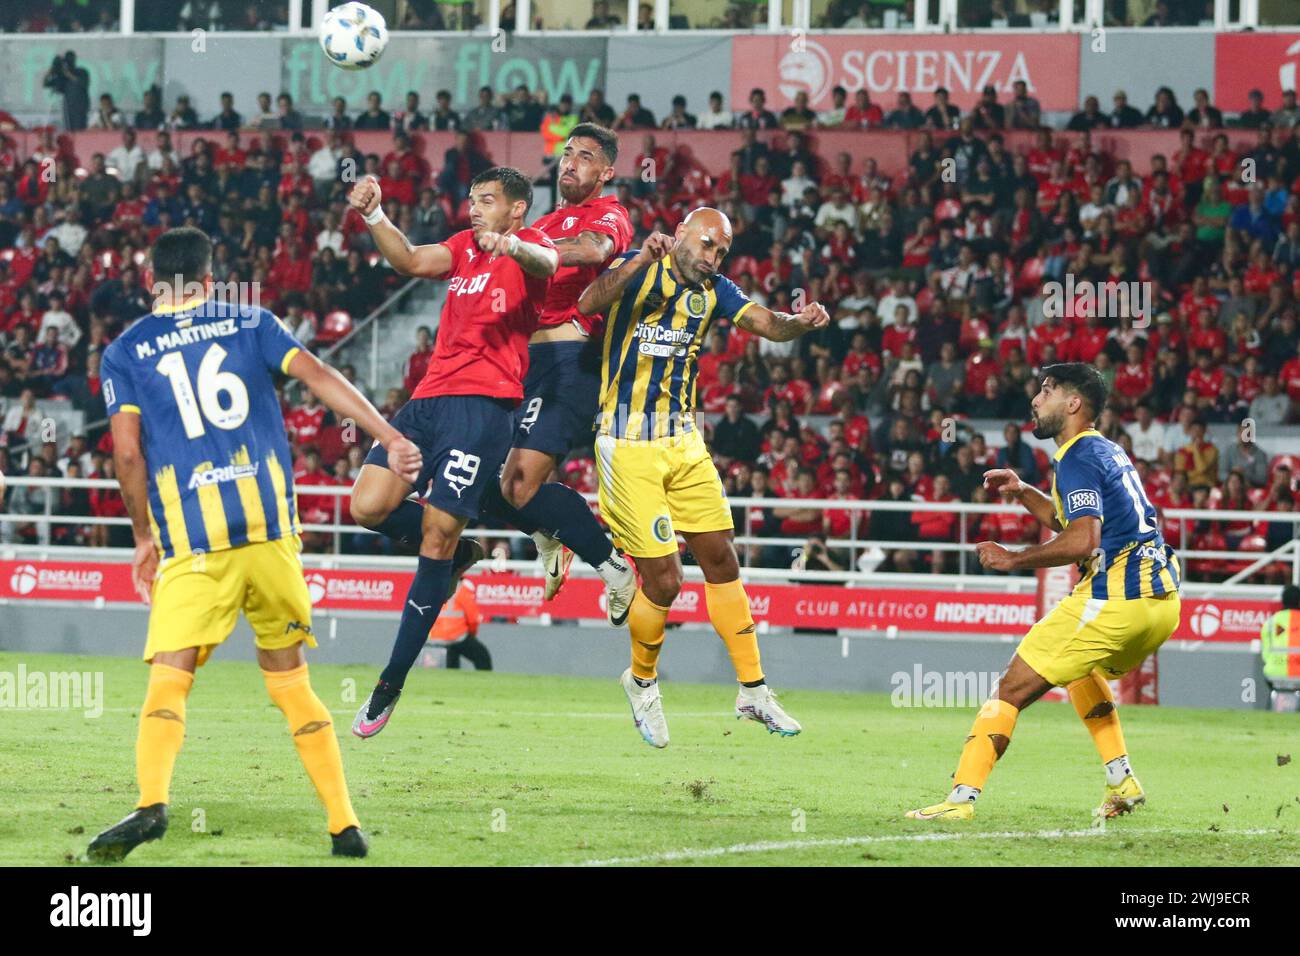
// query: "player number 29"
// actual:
[[212, 382]]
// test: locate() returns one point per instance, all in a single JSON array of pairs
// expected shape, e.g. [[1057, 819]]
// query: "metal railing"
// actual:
[[371, 322], [858, 573]]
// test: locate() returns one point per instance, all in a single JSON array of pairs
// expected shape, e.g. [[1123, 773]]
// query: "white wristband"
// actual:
[[514, 245], [374, 217]]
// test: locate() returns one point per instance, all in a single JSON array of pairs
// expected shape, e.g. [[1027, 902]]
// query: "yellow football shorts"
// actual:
[[1082, 633], [197, 598], [650, 490]]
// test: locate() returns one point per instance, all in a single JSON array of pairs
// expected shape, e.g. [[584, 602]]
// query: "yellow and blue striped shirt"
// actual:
[[200, 378], [1094, 477], [653, 337]]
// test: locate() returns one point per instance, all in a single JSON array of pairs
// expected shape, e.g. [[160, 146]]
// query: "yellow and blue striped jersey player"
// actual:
[[657, 478], [1124, 607], [207, 479]]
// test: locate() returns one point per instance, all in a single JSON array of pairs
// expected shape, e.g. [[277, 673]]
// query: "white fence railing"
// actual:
[[864, 554]]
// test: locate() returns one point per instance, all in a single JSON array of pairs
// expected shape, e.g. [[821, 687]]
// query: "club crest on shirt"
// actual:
[[696, 303], [569, 222]]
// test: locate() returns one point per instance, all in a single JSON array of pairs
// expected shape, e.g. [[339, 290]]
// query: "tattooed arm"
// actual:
[[783, 326], [132, 476], [533, 258], [585, 249]]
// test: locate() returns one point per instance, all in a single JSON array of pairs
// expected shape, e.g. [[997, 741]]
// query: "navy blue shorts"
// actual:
[[561, 392], [464, 440]]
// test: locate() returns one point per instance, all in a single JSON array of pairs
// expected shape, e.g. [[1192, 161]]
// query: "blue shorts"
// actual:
[[464, 440], [561, 392]]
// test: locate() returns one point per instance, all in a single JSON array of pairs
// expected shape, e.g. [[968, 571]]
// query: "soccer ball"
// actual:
[[353, 36]]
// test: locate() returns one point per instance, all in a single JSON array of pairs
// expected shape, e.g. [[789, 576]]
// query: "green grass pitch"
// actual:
[[507, 769]]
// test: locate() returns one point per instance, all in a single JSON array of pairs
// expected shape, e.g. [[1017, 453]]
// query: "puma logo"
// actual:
[[456, 488], [419, 610], [311, 727]]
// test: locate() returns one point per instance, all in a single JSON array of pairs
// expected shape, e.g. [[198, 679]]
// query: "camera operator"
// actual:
[[72, 82]]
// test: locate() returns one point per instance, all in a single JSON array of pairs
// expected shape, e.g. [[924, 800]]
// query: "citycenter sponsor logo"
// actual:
[[323, 587], [222, 473], [510, 595], [30, 579]]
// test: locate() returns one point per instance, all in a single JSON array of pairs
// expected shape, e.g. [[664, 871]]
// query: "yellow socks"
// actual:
[[162, 731], [313, 735], [989, 738], [645, 622], [728, 607], [1095, 705]]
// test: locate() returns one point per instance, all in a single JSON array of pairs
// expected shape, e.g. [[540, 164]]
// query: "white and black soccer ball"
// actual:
[[353, 36]]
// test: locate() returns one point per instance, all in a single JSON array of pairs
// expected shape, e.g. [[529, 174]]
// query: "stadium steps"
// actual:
[[396, 339]]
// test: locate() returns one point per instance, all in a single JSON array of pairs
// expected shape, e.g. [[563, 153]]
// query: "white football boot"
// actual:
[[647, 710], [760, 704], [556, 559], [620, 588]]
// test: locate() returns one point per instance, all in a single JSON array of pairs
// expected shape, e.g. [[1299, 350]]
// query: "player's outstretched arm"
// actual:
[[1006, 482], [1076, 543], [536, 260], [342, 398], [783, 326], [424, 262], [609, 285], [133, 477]]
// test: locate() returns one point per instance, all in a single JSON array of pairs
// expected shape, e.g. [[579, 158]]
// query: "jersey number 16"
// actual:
[[206, 402]]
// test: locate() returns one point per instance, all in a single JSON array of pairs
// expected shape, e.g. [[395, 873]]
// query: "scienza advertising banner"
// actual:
[[886, 65]]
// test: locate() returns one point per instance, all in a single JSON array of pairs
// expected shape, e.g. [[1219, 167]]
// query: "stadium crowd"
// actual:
[[935, 277]]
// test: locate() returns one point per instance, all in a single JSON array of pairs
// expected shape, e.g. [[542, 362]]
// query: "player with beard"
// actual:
[[656, 475], [558, 412], [1123, 609]]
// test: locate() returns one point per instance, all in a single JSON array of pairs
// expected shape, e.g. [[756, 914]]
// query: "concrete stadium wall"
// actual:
[[1212, 676], [1137, 61]]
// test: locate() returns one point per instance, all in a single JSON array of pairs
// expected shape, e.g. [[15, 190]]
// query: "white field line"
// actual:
[[672, 856], [570, 715]]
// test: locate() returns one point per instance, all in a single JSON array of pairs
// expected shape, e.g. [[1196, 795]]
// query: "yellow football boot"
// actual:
[[944, 811], [1124, 797]]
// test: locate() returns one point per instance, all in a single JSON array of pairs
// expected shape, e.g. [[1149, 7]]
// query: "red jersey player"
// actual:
[[461, 415], [563, 385]]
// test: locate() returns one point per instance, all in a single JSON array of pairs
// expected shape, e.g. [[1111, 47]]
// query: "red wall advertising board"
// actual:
[[889, 64], [1268, 62], [780, 605]]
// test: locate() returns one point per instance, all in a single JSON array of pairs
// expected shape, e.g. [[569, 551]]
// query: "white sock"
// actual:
[[544, 542], [614, 570], [963, 794], [1117, 770]]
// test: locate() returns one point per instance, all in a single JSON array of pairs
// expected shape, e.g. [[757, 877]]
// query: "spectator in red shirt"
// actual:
[[715, 357], [1132, 379], [937, 526], [800, 522], [1205, 379], [305, 422]]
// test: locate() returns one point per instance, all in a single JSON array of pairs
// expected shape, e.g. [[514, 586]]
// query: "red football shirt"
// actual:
[[603, 215], [491, 310]]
